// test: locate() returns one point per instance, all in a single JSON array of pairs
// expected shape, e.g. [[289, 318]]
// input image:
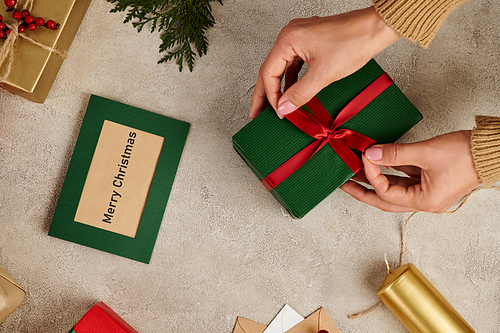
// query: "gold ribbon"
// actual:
[[7, 49]]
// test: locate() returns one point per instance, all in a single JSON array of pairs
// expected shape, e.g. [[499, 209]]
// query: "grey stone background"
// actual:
[[226, 248]]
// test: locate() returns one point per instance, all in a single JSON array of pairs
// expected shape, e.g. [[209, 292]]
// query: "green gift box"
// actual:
[[267, 142]]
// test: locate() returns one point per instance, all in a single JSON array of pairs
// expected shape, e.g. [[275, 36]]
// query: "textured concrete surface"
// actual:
[[226, 248]]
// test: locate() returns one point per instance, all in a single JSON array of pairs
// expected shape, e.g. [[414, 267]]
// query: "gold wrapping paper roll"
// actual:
[[35, 69], [417, 303]]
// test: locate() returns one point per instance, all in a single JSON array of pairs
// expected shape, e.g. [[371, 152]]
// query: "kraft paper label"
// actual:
[[119, 179]]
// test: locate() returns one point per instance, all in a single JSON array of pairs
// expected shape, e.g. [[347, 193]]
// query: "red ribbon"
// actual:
[[321, 126]]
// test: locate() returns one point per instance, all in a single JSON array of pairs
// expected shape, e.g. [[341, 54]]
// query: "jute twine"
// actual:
[[7, 49], [403, 244]]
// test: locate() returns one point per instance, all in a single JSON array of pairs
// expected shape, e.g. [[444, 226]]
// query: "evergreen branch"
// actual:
[[182, 23]]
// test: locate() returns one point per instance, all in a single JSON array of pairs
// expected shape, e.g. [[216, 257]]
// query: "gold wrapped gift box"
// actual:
[[11, 294], [34, 68]]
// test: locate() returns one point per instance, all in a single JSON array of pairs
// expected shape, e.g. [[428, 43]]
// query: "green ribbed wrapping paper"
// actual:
[[267, 141]]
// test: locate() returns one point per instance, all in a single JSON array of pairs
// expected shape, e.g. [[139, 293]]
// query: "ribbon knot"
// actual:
[[320, 125], [337, 134]]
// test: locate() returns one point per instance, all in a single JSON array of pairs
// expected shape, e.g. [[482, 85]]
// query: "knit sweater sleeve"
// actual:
[[485, 146], [416, 20]]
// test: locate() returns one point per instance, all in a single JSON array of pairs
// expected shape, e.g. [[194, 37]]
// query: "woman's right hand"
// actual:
[[440, 171]]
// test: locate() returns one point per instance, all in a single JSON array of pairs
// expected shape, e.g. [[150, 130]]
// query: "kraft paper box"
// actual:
[[34, 69], [119, 179], [267, 142], [101, 319], [12, 295]]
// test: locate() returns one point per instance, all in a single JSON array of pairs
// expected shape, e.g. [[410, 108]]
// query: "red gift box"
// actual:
[[101, 319]]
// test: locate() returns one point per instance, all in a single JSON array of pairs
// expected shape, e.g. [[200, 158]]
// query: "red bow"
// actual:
[[321, 126]]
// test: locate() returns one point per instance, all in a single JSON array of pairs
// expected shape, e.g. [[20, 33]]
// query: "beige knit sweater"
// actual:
[[485, 144], [416, 20], [419, 21]]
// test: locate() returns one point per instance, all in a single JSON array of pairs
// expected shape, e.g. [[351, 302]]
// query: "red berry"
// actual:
[[7, 32], [2, 26], [32, 26], [16, 15], [2, 34], [10, 3], [29, 19], [1, 17], [50, 25], [25, 13], [39, 21], [21, 28]]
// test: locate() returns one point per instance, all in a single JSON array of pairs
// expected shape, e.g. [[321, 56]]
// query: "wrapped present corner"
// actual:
[[100, 318], [304, 158], [12, 295], [30, 61]]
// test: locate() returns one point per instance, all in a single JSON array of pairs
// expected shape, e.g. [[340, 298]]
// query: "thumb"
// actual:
[[395, 154], [301, 92]]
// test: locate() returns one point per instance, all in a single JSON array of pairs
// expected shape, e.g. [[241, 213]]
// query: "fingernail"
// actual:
[[286, 108], [374, 153]]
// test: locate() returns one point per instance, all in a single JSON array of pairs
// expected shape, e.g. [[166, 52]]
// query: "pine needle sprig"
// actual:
[[182, 23]]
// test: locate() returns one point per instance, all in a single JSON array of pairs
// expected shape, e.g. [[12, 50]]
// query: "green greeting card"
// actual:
[[119, 179]]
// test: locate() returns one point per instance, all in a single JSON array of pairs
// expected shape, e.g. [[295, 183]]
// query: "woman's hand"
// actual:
[[440, 171], [333, 47]]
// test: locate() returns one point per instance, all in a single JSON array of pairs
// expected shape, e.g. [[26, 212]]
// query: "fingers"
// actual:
[[303, 90], [292, 72], [395, 194], [268, 87], [259, 100], [396, 154], [282, 55], [360, 177], [411, 171], [393, 180], [369, 197]]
